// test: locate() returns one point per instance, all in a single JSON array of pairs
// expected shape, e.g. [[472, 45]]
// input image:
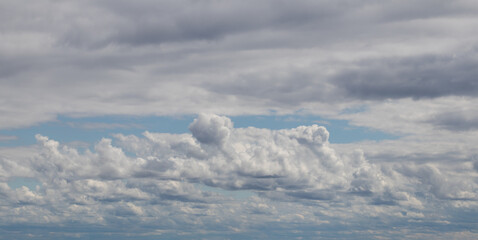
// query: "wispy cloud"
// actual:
[[100, 125], [7, 138]]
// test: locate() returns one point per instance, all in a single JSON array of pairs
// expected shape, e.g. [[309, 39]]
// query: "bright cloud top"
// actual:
[[146, 178]]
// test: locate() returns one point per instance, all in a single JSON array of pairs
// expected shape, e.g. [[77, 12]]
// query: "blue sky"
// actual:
[[92, 129], [262, 119]]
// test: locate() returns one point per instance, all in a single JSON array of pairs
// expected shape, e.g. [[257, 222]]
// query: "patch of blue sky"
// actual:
[[18, 182], [89, 130], [340, 130], [92, 129], [355, 109]]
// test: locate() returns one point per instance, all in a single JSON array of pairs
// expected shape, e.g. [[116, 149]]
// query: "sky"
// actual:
[[264, 119]]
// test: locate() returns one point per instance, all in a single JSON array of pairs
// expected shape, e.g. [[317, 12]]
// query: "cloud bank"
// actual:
[[96, 58], [405, 68], [144, 179]]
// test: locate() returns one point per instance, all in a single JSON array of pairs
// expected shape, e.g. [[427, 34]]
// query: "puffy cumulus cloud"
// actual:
[[249, 158], [411, 64], [63, 162], [294, 176], [442, 186], [211, 129]]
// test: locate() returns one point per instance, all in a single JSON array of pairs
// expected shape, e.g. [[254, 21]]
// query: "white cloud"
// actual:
[[295, 174], [211, 129], [409, 66]]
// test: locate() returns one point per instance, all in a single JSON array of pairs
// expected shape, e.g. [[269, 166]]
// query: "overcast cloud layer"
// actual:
[[407, 68], [123, 57]]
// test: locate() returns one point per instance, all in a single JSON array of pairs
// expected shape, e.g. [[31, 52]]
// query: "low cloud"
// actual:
[[161, 174], [456, 120], [428, 76], [411, 64]]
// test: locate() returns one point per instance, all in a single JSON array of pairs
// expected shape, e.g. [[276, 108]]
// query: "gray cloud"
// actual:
[[211, 129], [455, 121], [415, 77], [156, 22], [147, 22], [90, 58], [287, 88], [248, 57]]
